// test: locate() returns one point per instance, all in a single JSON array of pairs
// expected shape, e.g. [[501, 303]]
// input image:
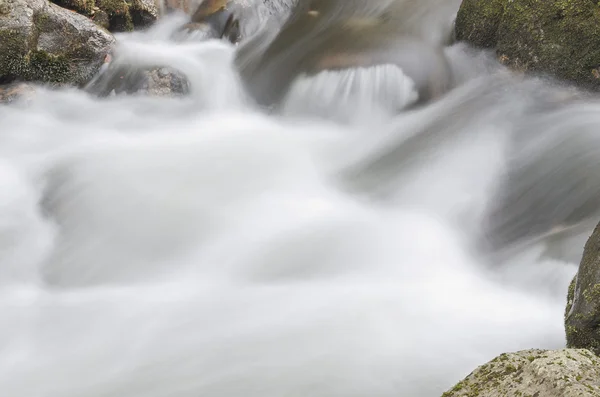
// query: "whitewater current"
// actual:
[[199, 246]]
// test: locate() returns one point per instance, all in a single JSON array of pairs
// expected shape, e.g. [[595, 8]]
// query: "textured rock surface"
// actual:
[[40, 41], [560, 38], [582, 317], [116, 15], [534, 373]]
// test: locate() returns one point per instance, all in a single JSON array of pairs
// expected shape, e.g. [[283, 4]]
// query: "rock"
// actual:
[[582, 317], [117, 78], [165, 82], [534, 373], [116, 15], [233, 20], [323, 35], [559, 38], [40, 41], [13, 92]]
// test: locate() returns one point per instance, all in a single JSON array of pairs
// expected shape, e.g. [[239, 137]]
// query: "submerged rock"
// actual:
[[13, 92], [118, 78], [325, 35], [534, 373], [233, 20], [582, 317], [40, 41], [560, 38]]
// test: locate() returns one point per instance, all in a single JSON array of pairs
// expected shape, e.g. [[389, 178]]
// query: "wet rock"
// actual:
[[582, 317], [12, 92], [40, 41], [534, 373], [117, 78], [325, 35], [559, 38], [233, 20], [164, 82], [116, 15]]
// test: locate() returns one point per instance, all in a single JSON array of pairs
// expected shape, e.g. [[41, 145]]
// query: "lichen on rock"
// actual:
[[534, 373], [40, 41]]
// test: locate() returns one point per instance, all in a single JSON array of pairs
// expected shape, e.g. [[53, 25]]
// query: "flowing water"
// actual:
[[198, 246]]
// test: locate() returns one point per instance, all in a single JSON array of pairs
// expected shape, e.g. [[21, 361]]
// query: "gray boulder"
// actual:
[[534, 373], [42, 42]]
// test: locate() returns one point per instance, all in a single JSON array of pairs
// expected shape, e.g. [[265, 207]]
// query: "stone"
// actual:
[[325, 35], [582, 316], [534, 373], [40, 41], [556, 38], [116, 15], [233, 20], [116, 78]]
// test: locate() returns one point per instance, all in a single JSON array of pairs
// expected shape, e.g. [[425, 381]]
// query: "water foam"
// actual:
[[186, 247]]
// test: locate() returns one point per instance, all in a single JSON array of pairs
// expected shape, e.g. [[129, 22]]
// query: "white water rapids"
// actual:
[[198, 247]]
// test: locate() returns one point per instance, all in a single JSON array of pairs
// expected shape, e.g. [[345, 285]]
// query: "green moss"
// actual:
[[47, 68], [84, 7], [118, 14], [477, 21], [16, 63], [560, 37]]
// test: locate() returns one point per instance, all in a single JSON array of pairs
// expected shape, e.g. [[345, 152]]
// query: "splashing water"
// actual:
[[195, 246]]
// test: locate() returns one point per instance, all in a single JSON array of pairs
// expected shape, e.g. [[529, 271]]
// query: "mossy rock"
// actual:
[[560, 38], [116, 15], [119, 18], [582, 318], [534, 373], [477, 22], [43, 42]]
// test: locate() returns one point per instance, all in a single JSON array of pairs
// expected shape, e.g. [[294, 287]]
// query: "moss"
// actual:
[[48, 68], [118, 14], [560, 37], [84, 7], [16, 63], [477, 21]]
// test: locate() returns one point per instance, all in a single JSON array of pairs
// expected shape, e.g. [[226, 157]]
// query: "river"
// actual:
[[199, 246]]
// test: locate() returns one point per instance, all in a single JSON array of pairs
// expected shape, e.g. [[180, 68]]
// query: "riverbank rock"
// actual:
[[116, 15], [534, 373], [40, 41], [582, 318], [558, 38]]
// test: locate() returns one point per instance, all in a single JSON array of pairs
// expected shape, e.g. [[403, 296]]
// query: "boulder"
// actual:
[[557, 38], [582, 317], [534, 373], [40, 41], [341, 35], [116, 15]]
